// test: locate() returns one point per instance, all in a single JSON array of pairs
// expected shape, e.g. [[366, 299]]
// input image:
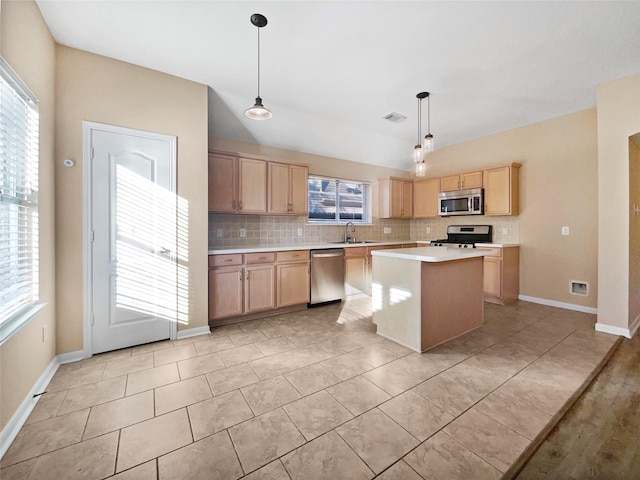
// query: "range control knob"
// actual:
[[465, 246]]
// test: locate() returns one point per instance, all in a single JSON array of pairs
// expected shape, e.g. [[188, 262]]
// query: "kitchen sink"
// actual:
[[356, 243]]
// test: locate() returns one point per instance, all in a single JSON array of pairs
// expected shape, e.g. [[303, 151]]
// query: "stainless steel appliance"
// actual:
[[327, 276], [461, 202], [465, 236]]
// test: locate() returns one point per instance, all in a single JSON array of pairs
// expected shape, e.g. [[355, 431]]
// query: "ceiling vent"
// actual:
[[395, 117]]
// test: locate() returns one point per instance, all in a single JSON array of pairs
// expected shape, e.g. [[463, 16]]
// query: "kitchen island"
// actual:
[[422, 297]]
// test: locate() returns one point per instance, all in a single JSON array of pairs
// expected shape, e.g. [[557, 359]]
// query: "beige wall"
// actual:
[[558, 187], [318, 165], [28, 47], [99, 89], [634, 228], [618, 119]]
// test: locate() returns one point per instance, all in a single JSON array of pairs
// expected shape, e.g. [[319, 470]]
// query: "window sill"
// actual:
[[11, 326]]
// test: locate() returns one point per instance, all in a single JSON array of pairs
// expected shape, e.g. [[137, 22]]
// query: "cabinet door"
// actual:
[[493, 277], [252, 180], [355, 277], [222, 183], [407, 199], [497, 191], [292, 285], [425, 198], [299, 190], [395, 198], [471, 180], [225, 292], [259, 291], [278, 188], [450, 184]]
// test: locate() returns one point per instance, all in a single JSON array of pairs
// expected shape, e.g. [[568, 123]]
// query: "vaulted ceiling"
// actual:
[[330, 70]]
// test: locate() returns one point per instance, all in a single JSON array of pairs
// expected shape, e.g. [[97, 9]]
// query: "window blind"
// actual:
[[335, 200], [18, 196]]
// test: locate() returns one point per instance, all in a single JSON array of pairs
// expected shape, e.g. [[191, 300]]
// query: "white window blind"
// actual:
[[18, 197], [333, 200]]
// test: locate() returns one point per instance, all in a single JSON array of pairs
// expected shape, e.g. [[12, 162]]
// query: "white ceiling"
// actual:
[[332, 70]]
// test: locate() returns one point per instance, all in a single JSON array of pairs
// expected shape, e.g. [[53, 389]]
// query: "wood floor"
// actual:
[[599, 438]]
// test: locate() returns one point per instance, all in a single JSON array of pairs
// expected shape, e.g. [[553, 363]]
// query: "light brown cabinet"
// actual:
[[237, 184], [226, 297], [288, 189], [292, 274], [462, 181], [395, 198], [259, 288], [358, 267], [501, 190], [425, 198], [502, 275]]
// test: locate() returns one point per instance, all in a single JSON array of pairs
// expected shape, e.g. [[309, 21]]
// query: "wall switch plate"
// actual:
[[565, 230], [299, 232], [428, 230], [505, 231], [386, 230], [219, 233], [44, 333], [243, 232]]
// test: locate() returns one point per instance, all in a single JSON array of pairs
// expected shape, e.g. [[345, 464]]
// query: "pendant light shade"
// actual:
[[258, 111], [428, 138]]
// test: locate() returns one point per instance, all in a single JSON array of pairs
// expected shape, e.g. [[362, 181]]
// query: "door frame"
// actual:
[[87, 217]]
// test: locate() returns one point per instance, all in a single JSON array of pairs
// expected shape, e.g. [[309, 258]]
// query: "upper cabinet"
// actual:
[[501, 190], [461, 181], [395, 198], [425, 198], [237, 184], [245, 184], [288, 189]]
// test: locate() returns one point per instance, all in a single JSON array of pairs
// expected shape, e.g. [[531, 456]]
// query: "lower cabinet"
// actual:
[[292, 277], [502, 275], [244, 284], [358, 266]]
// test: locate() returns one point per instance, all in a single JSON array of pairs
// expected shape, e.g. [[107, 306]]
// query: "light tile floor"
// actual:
[[311, 395]]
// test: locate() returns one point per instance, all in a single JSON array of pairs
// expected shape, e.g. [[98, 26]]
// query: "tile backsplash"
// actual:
[[225, 230]]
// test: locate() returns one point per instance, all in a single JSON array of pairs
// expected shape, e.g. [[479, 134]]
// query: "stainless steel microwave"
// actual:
[[461, 202]]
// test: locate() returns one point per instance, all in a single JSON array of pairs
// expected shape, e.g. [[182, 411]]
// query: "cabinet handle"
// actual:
[[241, 275], [248, 275], [233, 204], [228, 260], [240, 204], [262, 258]]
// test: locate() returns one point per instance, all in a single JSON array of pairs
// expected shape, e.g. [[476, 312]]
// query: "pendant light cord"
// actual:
[[419, 121], [258, 61], [429, 114]]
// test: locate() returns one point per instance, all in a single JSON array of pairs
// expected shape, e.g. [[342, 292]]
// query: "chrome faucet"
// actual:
[[346, 229]]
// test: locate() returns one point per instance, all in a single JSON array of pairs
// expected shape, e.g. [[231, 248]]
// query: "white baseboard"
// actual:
[[604, 328], [553, 303], [14, 425], [192, 332], [72, 357]]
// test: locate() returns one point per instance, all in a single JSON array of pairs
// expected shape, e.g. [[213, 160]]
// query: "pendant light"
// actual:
[[419, 150], [428, 138], [258, 112]]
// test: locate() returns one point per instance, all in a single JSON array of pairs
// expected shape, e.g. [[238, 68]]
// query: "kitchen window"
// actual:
[[19, 274], [333, 200]]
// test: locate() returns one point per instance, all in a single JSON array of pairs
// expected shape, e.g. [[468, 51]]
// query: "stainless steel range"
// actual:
[[465, 236]]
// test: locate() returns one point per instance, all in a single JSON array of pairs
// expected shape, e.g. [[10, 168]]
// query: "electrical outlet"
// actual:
[[428, 229], [219, 233], [505, 231], [243, 232], [565, 230], [299, 232]]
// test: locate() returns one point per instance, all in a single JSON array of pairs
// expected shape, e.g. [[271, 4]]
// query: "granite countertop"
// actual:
[[432, 254], [316, 246]]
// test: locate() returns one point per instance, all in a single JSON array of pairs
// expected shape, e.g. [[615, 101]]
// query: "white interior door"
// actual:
[[133, 293]]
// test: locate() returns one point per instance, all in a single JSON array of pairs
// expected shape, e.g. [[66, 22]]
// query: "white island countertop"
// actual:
[[432, 254]]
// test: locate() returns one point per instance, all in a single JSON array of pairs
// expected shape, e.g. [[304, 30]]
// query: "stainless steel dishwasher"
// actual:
[[327, 276]]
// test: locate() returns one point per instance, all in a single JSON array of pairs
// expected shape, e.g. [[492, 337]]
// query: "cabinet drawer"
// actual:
[[293, 256], [264, 257], [225, 260], [355, 252], [497, 251]]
